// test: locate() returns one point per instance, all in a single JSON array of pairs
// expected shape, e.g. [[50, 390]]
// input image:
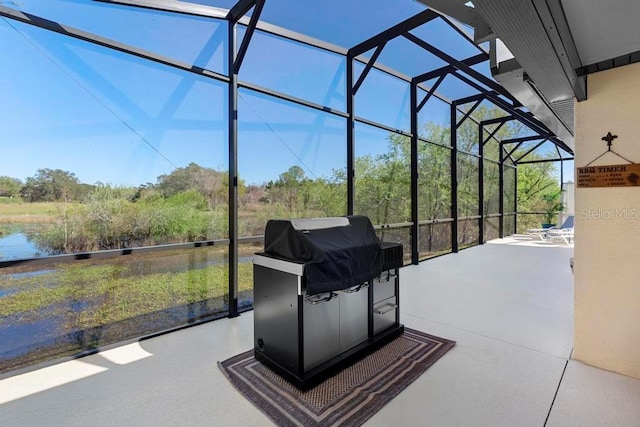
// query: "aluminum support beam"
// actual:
[[192, 9], [515, 201], [460, 65], [75, 33], [185, 8], [501, 191], [381, 126], [491, 134], [503, 119], [481, 182], [234, 60], [259, 4], [467, 114], [454, 177], [292, 99], [415, 229], [240, 9], [232, 112], [531, 150], [393, 32], [350, 95], [479, 97], [473, 60], [524, 139], [439, 72], [510, 153], [430, 93], [368, 67], [529, 162], [524, 118]]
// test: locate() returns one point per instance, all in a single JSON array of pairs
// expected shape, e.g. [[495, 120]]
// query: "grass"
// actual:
[[97, 302], [21, 208], [27, 219], [10, 200], [109, 293], [15, 211]]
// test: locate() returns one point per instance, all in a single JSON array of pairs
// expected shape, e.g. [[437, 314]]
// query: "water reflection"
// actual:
[[91, 303], [17, 245]]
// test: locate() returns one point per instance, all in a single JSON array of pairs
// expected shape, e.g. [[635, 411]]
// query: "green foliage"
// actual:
[[383, 183], [191, 203], [11, 201], [52, 185], [535, 182], [292, 189], [553, 206], [434, 194], [189, 199], [171, 221], [294, 195], [112, 218], [212, 184], [434, 183], [9, 187]]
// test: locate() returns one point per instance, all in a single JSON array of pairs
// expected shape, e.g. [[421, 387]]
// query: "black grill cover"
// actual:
[[335, 258]]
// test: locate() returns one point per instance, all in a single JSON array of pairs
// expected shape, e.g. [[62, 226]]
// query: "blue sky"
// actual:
[[110, 117]]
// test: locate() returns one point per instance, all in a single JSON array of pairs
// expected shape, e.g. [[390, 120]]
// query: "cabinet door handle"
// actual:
[[320, 298], [355, 289], [387, 309]]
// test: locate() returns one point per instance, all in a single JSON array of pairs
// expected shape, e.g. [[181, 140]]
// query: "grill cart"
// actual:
[[325, 294]]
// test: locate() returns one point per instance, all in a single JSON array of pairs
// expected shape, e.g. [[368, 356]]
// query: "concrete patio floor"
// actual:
[[508, 304]]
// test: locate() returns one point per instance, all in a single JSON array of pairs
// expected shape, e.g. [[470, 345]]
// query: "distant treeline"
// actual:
[[191, 203]]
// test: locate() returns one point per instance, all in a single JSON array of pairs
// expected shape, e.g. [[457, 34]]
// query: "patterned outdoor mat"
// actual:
[[350, 397]]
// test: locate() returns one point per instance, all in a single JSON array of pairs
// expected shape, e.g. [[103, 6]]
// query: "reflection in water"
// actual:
[[18, 339], [84, 318], [17, 245]]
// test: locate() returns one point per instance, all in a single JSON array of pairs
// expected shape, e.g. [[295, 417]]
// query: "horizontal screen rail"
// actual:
[[111, 253]]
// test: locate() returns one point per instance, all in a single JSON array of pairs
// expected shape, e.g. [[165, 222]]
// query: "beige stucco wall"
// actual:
[[607, 229]]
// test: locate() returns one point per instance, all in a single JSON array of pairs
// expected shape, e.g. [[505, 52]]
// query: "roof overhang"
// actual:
[[553, 45], [534, 57]]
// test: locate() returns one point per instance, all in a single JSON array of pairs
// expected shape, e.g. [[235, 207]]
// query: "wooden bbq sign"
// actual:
[[627, 175], [609, 176]]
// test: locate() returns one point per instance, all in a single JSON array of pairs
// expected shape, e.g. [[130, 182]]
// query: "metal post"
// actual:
[[501, 192], [515, 199], [415, 229], [350, 137], [481, 181], [454, 177], [233, 172]]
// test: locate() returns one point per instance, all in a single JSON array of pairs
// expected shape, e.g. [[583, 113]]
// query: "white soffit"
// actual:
[[518, 25], [542, 76], [603, 30]]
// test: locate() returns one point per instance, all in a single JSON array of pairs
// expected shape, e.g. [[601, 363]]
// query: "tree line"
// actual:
[[191, 202]]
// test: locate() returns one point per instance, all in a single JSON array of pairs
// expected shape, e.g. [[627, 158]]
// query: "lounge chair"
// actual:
[[538, 233], [563, 234]]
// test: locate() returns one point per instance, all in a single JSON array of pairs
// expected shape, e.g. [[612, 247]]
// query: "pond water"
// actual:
[[16, 245], [22, 340]]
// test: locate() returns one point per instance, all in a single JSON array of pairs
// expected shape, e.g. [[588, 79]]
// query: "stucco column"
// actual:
[[607, 227]]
